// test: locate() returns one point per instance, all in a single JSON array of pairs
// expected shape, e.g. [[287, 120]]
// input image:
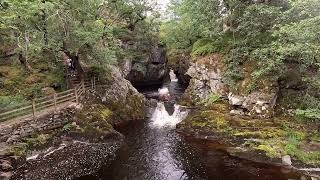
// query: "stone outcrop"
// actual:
[[207, 78], [120, 97], [150, 69], [256, 104], [180, 64], [27, 127]]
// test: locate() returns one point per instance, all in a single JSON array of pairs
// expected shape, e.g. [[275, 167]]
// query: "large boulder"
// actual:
[[120, 97], [150, 69], [206, 78], [180, 63], [257, 104]]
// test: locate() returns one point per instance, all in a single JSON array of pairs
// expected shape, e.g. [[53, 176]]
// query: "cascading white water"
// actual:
[[173, 76], [161, 118]]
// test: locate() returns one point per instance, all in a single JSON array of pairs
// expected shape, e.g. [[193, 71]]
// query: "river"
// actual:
[[154, 151]]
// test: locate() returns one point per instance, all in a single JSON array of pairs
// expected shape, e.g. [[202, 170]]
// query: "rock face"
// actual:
[[206, 78], [258, 104], [180, 64], [149, 70], [120, 97]]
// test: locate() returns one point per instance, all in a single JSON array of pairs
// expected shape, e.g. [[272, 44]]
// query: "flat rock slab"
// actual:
[[4, 149]]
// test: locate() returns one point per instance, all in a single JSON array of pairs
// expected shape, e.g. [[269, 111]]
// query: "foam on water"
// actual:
[[173, 76], [161, 118]]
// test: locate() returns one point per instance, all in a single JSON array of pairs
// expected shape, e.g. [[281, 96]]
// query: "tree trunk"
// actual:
[[44, 25], [25, 62]]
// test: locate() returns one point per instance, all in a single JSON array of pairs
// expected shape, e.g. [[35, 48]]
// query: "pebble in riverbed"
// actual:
[[77, 159]]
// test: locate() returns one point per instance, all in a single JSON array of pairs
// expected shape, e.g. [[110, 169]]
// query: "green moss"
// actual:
[[270, 151], [210, 120], [211, 99], [276, 137], [292, 149], [20, 149], [263, 134], [38, 140], [133, 108], [95, 120]]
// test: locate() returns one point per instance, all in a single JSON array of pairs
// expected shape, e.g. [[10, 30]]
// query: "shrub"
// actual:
[[68, 127], [203, 47], [9, 102], [308, 114], [211, 99]]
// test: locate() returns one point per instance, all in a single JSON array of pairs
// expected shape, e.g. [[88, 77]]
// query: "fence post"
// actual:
[[33, 108], [76, 94], [55, 101]]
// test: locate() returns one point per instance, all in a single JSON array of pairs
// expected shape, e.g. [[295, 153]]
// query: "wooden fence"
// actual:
[[37, 105]]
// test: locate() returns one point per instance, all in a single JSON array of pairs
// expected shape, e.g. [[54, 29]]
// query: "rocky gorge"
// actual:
[[82, 139]]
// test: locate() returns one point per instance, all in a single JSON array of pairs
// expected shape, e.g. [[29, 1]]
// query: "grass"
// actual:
[[20, 149], [308, 114], [211, 99]]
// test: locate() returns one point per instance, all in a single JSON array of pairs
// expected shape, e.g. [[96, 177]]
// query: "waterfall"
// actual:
[[173, 76], [161, 118]]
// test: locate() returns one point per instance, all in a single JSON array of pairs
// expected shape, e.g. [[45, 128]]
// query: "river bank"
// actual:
[[257, 140]]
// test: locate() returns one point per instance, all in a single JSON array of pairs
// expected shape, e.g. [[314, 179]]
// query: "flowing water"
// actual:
[[154, 151]]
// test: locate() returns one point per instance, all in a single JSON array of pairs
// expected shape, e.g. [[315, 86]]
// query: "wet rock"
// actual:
[[286, 160]]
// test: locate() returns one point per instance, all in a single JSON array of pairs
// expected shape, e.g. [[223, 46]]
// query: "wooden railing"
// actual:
[[32, 108]]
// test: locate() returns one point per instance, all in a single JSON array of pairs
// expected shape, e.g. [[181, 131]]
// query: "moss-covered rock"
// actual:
[[274, 137], [95, 121]]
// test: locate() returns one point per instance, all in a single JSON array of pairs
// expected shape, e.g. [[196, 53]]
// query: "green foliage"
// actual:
[[203, 47], [42, 34], [211, 99], [10, 102], [68, 127], [308, 157], [20, 149], [308, 114]]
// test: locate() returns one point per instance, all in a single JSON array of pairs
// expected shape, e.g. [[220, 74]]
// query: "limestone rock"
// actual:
[[4, 149], [5, 165], [237, 112], [235, 100], [5, 175], [286, 160], [206, 78]]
